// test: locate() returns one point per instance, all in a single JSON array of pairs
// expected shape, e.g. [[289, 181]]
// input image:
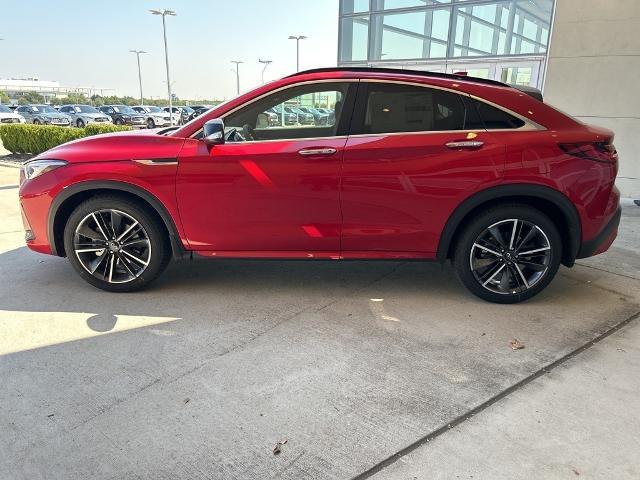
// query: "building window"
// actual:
[[381, 30]]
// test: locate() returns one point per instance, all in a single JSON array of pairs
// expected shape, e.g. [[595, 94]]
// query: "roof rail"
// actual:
[[424, 73]]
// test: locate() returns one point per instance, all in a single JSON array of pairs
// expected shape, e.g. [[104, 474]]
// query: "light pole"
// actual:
[[266, 64], [237, 62], [138, 52], [164, 13], [297, 39]]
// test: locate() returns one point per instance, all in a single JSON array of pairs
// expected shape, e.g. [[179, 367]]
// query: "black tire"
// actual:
[[36, 122], [80, 123], [151, 233], [150, 123], [484, 270], [119, 121]]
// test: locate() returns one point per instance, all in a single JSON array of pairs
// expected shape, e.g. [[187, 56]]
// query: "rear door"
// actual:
[[414, 154]]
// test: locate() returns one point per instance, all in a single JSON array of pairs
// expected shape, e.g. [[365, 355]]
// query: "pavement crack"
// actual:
[[496, 398]]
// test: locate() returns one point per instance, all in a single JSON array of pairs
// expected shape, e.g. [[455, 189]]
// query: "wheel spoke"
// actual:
[[526, 284], [537, 250], [139, 260], [532, 265], [513, 233], [133, 242], [488, 250], [123, 234], [96, 263], [89, 250], [125, 263], [102, 231], [494, 275], [116, 221], [497, 234], [111, 268], [504, 280], [527, 237]]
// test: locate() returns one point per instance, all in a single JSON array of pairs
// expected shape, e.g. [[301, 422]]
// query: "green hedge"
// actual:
[[35, 139]]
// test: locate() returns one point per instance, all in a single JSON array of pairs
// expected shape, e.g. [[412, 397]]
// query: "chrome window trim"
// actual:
[[528, 123]]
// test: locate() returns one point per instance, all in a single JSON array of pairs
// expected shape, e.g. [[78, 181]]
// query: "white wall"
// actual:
[[593, 73]]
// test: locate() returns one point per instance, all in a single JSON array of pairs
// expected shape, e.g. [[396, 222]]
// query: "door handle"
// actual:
[[464, 144], [306, 152]]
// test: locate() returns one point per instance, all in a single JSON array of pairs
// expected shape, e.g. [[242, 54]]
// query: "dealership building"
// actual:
[[583, 54]]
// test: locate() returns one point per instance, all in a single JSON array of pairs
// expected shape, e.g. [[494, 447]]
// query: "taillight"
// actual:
[[596, 151]]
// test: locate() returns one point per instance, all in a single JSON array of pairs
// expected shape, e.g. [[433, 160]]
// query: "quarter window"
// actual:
[[494, 118], [392, 108]]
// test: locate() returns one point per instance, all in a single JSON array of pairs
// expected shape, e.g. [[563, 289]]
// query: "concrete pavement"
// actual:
[[201, 375]]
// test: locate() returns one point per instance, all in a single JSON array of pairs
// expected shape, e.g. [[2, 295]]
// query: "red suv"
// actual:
[[411, 165]]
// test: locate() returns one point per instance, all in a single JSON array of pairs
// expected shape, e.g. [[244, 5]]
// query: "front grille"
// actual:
[[137, 119], [9, 120], [102, 120]]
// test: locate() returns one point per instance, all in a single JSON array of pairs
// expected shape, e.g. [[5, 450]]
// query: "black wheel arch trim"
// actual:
[[116, 186], [514, 190]]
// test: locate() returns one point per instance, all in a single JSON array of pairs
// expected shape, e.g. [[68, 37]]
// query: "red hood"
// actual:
[[118, 146]]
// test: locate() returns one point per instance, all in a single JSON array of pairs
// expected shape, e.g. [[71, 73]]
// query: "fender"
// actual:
[[569, 212], [116, 186]]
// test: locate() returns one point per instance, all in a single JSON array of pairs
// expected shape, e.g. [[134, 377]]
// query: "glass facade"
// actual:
[[373, 31]]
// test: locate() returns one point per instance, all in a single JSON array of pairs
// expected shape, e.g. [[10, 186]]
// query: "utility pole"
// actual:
[[237, 62], [138, 52], [266, 63], [297, 39], [164, 13]]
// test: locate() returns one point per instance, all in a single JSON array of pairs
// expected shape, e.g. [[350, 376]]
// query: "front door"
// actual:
[[273, 188]]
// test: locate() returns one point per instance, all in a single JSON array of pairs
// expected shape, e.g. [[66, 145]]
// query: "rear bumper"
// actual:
[[603, 240]]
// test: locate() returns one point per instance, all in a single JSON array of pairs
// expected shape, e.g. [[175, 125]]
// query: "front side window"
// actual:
[[392, 108], [279, 116]]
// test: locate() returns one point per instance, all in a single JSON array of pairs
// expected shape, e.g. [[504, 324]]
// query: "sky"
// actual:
[[86, 43]]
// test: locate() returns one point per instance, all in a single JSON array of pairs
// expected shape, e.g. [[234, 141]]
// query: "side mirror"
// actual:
[[213, 132]]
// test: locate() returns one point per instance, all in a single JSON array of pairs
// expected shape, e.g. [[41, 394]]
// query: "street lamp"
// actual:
[[164, 13], [138, 52], [266, 64], [237, 62], [297, 39]]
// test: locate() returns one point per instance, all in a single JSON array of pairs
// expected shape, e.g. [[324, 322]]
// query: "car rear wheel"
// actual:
[[508, 254], [80, 123], [115, 244]]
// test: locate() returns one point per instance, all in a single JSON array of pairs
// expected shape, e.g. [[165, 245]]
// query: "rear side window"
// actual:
[[393, 108], [494, 118]]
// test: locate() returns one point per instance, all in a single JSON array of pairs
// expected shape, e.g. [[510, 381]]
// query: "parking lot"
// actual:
[[357, 368]]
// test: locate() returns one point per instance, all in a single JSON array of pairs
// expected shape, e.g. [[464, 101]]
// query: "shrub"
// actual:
[[35, 139]]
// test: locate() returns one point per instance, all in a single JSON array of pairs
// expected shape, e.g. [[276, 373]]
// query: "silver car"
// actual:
[[43, 115], [154, 116], [82, 115]]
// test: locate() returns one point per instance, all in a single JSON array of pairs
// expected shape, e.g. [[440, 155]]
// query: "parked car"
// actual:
[[154, 116], [9, 116], [303, 118], [43, 115], [319, 118], [289, 117], [199, 110], [82, 115], [422, 166], [124, 115], [180, 114]]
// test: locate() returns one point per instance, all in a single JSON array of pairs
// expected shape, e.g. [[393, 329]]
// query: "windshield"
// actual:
[[43, 109], [85, 109], [188, 109], [152, 109], [4, 109], [124, 109]]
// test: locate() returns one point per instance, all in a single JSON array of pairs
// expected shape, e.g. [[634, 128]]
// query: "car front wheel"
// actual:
[[80, 123], [508, 254], [150, 123], [116, 244]]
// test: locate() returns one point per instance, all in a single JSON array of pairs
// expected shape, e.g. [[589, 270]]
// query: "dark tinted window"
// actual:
[[495, 118], [405, 108]]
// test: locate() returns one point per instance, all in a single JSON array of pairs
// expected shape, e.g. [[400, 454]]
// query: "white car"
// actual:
[[155, 116], [9, 116]]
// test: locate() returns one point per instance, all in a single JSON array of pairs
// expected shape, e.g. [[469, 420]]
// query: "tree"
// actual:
[[4, 98], [32, 97]]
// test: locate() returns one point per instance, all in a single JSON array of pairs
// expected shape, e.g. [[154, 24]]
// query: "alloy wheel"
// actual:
[[510, 256], [112, 246]]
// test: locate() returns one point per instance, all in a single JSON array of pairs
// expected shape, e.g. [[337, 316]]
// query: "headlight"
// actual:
[[38, 167]]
